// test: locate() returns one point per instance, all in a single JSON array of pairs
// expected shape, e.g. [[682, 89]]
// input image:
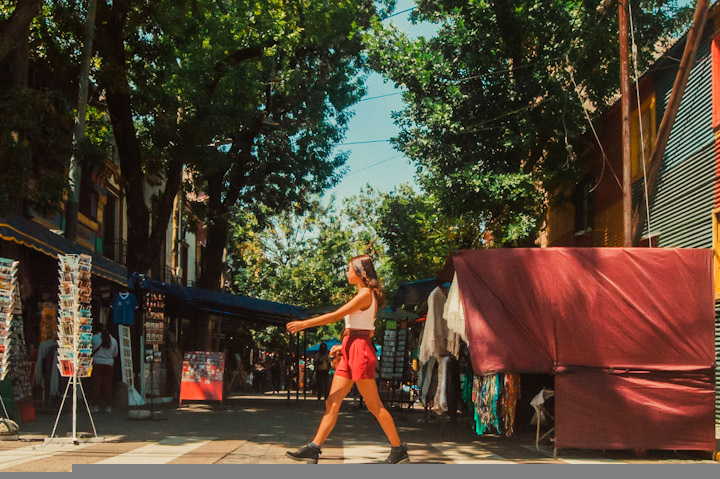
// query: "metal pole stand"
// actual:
[[74, 438], [153, 416]]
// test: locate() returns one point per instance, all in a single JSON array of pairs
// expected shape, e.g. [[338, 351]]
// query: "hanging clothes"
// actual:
[[440, 392], [435, 332], [124, 305], [486, 391], [46, 370], [510, 396], [427, 381], [453, 311]]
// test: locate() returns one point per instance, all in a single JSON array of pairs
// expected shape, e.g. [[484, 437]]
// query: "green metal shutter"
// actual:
[[681, 214]]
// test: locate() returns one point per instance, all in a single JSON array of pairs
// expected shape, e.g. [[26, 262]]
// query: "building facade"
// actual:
[[685, 211]]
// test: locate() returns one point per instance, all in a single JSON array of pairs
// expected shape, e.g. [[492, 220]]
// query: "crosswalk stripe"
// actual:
[[363, 452], [161, 452], [468, 454], [21, 455]]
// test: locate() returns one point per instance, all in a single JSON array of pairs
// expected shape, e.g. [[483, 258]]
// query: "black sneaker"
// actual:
[[398, 455], [308, 453]]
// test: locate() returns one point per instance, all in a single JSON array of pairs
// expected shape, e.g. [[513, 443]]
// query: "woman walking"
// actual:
[[356, 364]]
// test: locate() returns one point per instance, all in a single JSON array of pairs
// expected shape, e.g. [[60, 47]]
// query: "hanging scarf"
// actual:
[[510, 396], [485, 396]]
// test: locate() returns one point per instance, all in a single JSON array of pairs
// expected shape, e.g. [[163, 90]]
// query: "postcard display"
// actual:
[[392, 363], [154, 337], [13, 357], [75, 329], [202, 376]]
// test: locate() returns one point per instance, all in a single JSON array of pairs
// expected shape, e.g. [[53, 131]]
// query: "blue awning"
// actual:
[[186, 302], [33, 235]]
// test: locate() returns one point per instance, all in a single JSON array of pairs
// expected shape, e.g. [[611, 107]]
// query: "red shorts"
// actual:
[[358, 358]]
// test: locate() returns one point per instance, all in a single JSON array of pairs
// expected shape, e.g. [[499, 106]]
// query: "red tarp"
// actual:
[[584, 314]]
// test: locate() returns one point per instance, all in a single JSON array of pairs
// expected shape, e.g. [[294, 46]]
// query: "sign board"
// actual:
[[202, 376]]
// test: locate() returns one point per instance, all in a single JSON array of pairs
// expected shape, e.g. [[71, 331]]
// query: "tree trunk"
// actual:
[[17, 26], [218, 228], [143, 245]]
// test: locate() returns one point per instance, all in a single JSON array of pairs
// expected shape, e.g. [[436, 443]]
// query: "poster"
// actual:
[[202, 376], [128, 377]]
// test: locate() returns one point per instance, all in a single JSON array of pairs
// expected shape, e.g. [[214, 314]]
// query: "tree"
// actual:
[[251, 96], [14, 27], [492, 114], [36, 120]]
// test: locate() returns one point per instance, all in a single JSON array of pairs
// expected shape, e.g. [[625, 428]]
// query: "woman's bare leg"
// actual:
[[339, 389], [368, 389]]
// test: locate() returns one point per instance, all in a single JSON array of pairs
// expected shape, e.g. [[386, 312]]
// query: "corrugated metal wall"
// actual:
[[682, 211], [681, 214]]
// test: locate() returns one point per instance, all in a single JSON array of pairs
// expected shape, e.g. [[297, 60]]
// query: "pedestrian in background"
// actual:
[[322, 372], [104, 351], [357, 362]]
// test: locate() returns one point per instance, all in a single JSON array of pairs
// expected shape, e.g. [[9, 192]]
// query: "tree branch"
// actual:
[[12, 30]]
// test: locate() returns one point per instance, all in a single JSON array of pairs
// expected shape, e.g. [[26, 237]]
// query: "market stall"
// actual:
[[627, 333]]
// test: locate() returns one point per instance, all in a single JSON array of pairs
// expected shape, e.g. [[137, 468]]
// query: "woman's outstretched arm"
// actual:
[[362, 300]]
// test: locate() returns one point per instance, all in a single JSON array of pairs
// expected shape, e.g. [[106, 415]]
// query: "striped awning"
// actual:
[[33, 235]]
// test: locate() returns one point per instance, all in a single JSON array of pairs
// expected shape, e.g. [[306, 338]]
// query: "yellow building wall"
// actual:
[[561, 221], [608, 227]]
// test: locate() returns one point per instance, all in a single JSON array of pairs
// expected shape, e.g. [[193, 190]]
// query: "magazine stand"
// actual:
[[9, 309], [74, 332], [154, 337]]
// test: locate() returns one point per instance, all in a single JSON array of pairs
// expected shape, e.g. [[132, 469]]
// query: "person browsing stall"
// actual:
[[356, 364], [105, 350]]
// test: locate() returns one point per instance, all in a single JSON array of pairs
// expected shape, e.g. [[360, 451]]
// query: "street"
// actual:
[[258, 430]]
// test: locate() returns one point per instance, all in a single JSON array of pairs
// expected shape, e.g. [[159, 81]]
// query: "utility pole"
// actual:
[[625, 109], [72, 207]]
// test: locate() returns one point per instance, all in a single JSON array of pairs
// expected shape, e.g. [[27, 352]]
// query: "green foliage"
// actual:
[[492, 115]]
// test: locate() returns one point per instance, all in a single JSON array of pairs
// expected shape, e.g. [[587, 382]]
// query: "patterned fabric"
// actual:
[[510, 396], [486, 390]]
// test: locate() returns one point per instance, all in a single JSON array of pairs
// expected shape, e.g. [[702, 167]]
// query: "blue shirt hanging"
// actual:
[[124, 306]]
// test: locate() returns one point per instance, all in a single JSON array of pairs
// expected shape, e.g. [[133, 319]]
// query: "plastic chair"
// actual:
[[541, 414]]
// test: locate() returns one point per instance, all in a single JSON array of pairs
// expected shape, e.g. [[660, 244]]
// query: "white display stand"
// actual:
[[134, 398], [9, 305], [74, 331]]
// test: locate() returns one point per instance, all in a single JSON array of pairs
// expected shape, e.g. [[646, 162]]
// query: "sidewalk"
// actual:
[[259, 429]]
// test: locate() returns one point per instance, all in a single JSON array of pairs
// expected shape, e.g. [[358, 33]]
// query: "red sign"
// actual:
[[202, 376]]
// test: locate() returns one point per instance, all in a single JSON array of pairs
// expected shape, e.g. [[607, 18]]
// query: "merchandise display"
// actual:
[[9, 293], [202, 376], [75, 316], [154, 326], [14, 361]]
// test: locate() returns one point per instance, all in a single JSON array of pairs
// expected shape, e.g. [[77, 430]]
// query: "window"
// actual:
[[584, 207], [647, 115], [88, 202]]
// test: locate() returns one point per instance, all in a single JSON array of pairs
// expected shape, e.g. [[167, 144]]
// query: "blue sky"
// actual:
[[378, 164], [372, 122]]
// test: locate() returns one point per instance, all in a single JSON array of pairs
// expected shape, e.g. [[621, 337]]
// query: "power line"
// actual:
[[375, 164], [382, 96], [364, 142], [399, 13]]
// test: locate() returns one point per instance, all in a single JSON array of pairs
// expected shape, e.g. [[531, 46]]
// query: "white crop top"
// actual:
[[362, 319]]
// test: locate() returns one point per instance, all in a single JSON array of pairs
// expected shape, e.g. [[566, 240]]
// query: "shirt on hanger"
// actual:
[[124, 306]]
